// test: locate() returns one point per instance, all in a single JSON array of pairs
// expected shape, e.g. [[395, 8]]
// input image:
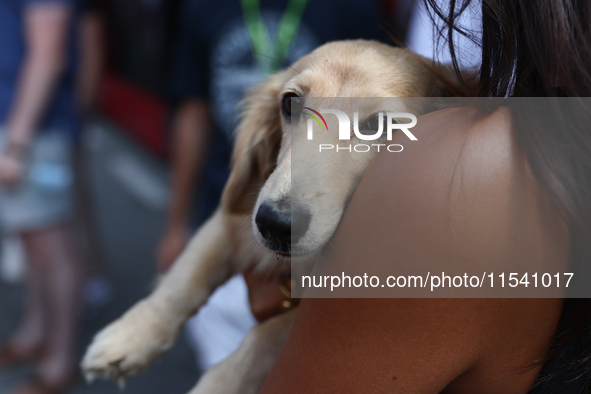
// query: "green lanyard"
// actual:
[[264, 49]]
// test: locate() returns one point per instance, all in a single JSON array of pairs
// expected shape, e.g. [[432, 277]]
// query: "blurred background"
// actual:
[[144, 93]]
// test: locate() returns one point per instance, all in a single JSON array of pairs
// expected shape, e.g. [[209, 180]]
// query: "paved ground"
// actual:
[[128, 188]]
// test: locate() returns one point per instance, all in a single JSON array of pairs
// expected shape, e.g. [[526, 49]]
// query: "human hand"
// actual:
[[269, 293], [12, 167], [171, 245]]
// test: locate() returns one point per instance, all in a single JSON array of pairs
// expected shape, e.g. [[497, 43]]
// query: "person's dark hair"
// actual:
[[542, 48]]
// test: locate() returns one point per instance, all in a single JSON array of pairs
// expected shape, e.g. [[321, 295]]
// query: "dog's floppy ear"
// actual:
[[257, 146]]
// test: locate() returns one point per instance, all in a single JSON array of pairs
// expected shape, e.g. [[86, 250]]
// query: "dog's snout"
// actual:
[[274, 224], [284, 225], [300, 220]]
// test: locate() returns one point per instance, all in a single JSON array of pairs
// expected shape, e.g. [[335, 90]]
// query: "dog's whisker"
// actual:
[[331, 244], [243, 230]]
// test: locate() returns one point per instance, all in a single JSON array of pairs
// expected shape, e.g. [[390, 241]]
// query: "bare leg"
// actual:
[[56, 259], [31, 332]]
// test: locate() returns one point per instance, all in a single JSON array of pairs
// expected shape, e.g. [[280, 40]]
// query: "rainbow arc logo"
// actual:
[[315, 118]]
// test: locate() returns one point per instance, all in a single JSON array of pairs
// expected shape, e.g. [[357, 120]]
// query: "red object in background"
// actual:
[[138, 112], [143, 114]]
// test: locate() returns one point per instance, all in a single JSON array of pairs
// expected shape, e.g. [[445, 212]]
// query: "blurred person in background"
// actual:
[[38, 122], [90, 65], [223, 48], [91, 58]]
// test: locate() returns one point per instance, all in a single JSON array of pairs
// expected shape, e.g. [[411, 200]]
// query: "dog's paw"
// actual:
[[127, 346]]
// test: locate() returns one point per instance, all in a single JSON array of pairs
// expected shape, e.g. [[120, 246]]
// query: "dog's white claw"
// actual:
[[121, 383]]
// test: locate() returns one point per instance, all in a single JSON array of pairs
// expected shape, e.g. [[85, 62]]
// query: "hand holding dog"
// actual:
[[12, 168]]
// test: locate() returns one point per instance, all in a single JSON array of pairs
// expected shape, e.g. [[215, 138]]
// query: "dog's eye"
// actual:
[[372, 126], [291, 105]]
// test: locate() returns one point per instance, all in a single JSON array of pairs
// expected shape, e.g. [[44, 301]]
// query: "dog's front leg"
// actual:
[[244, 371], [128, 345]]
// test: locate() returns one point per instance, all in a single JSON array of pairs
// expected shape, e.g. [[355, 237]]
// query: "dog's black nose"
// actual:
[[280, 223], [274, 223]]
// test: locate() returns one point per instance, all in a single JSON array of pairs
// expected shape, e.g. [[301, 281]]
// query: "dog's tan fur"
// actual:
[[225, 245]]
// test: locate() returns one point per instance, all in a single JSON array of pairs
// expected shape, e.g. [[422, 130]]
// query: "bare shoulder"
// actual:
[[462, 197], [470, 174]]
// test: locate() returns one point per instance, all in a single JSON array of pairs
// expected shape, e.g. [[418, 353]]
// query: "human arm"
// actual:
[[461, 196], [191, 133], [46, 27]]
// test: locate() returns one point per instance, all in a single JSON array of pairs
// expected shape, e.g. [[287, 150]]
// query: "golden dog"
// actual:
[[253, 226]]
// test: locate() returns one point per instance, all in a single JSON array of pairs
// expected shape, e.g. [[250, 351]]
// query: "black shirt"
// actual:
[[213, 59]]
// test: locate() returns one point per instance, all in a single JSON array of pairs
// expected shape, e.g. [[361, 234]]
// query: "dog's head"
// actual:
[[295, 213]]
